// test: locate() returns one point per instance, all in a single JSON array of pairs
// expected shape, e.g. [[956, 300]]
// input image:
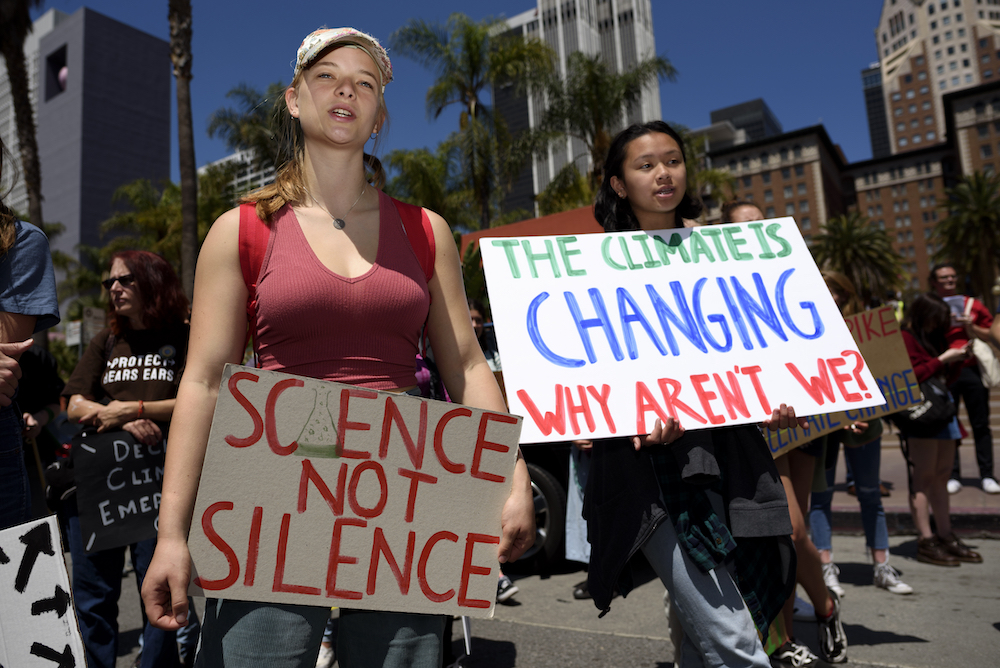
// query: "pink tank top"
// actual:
[[362, 331]]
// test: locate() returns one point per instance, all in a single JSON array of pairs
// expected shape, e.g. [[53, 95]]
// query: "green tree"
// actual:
[[179, 15], [969, 235], [568, 190], [250, 124], [432, 180], [470, 60], [853, 246], [15, 24], [590, 103], [707, 183]]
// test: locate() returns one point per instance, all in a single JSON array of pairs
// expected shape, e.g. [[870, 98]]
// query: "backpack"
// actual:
[[254, 236]]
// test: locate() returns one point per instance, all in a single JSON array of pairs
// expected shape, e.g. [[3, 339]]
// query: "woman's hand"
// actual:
[[115, 414], [32, 428], [517, 520], [784, 418], [164, 589], [662, 434], [857, 427], [145, 431], [955, 354], [584, 445]]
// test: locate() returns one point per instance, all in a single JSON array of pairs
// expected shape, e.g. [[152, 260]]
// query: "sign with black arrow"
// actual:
[[38, 624]]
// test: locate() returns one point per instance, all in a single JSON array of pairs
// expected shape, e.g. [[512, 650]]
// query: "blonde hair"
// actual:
[[840, 284], [288, 185]]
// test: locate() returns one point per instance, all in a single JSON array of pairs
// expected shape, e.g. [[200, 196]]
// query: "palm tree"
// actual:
[[568, 190], [590, 103], [432, 180], [15, 24], [470, 59], [250, 125], [969, 235], [179, 15], [853, 246], [707, 183]]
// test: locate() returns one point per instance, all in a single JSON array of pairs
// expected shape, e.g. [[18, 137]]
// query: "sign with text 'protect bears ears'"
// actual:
[[600, 334], [321, 493], [38, 625]]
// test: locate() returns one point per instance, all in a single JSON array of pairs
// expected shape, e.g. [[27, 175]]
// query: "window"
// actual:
[[799, 170], [784, 154], [935, 39], [910, 94], [786, 173], [895, 208], [926, 105], [965, 62], [900, 127], [983, 130], [803, 205], [769, 212], [790, 208], [747, 181], [906, 207], [745, 163], [896, 97], [988, 74], [954, 81], [787, 192], [903, 141], [928, 120], [55, 73], [923, 202], [768, 196], [924, 90], [985, 58], [914, 122], [937, 55], [806, 223], [946, 21], [878, 209], [948, 36], [942, 84], [931, 136], [940, 69], [933, 25], [953, 65], [763, 158], [766, 177], [951, 51], [732, 165], [797, 151], [919, 60], [898, 111], [968, 78], [986, 151], [922, 75], [871, 212], [912, 109], [802, 188], [908, 78]]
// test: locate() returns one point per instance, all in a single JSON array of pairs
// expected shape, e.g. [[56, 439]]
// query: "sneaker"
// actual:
[[887, 578], [960, 550], [830, 579], [325, 658], [954, 486], [803, 611], [505, 589], [991, 486], [933, 551], [795, 655], [832, 639]]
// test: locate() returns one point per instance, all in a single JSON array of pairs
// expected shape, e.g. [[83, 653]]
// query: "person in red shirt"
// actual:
[[969, 385]]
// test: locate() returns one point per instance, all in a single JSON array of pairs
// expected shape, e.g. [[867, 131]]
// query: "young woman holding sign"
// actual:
[[127, 379], [341, 296], [688, 507]]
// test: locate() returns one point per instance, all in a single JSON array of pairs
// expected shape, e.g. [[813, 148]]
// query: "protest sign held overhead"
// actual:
[[118, 488], [321, 493], [878, 337], [601, 334], [38, 625]]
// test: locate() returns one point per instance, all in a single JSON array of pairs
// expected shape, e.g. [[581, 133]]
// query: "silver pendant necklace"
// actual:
[[338, 223]]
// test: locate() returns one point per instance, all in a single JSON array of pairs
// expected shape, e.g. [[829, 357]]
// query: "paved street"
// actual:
[[951, 621]]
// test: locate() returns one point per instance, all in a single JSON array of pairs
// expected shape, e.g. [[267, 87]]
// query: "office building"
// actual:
[[878, 130], [620, 31], [101, 94], [755, 118]]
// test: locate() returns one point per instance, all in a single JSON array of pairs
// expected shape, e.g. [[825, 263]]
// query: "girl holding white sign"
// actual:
[[727, 580], [341, 296]]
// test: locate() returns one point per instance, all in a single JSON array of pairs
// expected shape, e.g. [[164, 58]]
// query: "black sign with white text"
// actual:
[[118, 488]]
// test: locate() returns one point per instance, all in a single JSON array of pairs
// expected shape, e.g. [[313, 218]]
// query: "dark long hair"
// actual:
[[163, 301], [615, 213], [927, 319]]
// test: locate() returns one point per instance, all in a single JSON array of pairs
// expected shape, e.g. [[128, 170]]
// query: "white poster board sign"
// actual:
[[320, 493], [600, 334], [37, 620]]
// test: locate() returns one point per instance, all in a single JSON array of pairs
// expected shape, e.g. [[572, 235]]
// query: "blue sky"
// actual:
[[803, 58]]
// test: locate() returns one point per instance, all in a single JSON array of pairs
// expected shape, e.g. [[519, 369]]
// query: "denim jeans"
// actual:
[[718, 629], [15, 504], [97, 586], [864, 462]]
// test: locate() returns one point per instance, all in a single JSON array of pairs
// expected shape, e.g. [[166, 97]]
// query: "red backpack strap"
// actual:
[[254, 235], [420, 233]]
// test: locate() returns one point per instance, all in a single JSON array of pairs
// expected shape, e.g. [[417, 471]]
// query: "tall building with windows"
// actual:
[[878, 131], [101, 94], [927, 49], [620, 31]]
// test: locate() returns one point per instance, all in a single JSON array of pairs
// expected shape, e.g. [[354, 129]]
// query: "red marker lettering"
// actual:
[[352, 490], [279, 567], [415, 450], [272, 428], [483, 444], [309, 474], [602, 399], [416, 478], [381, 546], [222, 546], [336, 560], [468, 569], [447, 464], [425, 555], [344, 425], [258, 423], [549, 421], [705, 396]]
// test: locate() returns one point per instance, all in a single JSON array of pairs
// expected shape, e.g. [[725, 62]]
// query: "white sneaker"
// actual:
[[803, 611], [887, 578], [830, 573], [954, 486], [990, 486]]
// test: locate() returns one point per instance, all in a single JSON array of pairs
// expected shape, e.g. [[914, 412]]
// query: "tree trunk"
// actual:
[[17, 72], [179, 15]]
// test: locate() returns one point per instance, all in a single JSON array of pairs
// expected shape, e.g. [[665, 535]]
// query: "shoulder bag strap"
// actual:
[[253, 238]]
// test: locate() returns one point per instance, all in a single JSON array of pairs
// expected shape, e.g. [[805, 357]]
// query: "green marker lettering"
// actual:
[[549, 255], [651, 262], [772, 231], [508, 246], [714, 234], [699, 248], [758, 229], [734, 242], [606, 254], [563, 242]]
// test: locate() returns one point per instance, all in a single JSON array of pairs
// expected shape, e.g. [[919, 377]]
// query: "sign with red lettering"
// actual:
[[326, 494], [878, 338], [600, 334], [38, 624]]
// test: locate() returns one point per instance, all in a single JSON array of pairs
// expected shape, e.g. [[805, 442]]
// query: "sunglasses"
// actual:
[[125, 281]]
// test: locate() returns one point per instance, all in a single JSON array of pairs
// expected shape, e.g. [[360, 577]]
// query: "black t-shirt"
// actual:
[[136, 364]]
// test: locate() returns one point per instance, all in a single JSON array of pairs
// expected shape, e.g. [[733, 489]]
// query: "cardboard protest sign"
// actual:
[[326, 494], [38, 624], [881, 344], [601, 334], [118, 482]]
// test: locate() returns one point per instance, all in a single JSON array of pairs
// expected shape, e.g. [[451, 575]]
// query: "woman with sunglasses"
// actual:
[[126, 380]]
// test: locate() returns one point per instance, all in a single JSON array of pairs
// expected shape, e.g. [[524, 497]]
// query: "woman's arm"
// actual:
[[469, 379], [218, 329], [13, 327]]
